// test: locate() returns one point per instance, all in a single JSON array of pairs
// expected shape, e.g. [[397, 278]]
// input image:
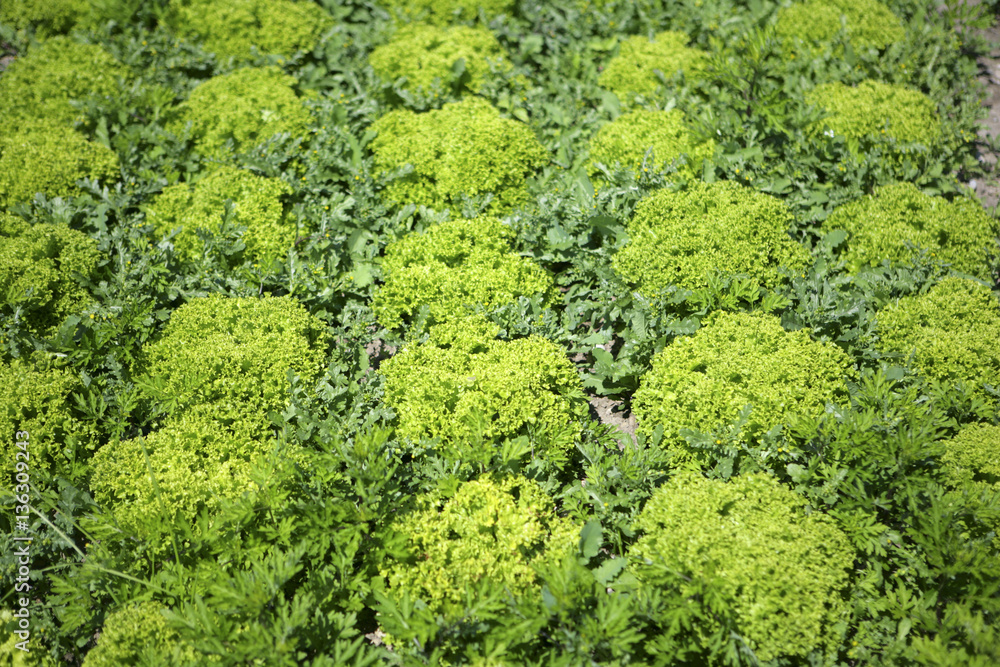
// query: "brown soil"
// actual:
[[609, 411], [988, 188], [378, 352]]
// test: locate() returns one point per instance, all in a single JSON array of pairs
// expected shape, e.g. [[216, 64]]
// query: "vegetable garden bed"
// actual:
[[436, 332]]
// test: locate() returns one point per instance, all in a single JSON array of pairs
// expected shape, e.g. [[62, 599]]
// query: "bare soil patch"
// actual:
[[988, 189], [612, 412]]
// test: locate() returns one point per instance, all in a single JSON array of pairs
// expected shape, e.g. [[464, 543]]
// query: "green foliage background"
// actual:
[[316, 311]]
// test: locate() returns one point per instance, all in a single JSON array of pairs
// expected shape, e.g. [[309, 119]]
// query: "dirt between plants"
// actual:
[[378, 352], [988, 188], [614, 413]]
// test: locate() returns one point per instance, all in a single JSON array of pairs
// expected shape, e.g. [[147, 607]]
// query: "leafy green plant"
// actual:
[[44, 16], [38, 400], [484, 536], [428, 57], [256, 203], [465, 148], [44, 270], [788, 564], [950, 333], [467, 388], [643, 64], [897, 222], [239, 110], [486, 530], [139, 634], [236, 29], [629, 138], [41, 85], [970, 465], [153, 483], [868, 23], [970, 456], [50, 158], [680, 238], [737, 360], [454, 266], [872, 109], [229, 359]]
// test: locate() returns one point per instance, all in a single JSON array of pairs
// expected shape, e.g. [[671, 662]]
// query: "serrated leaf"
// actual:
[[583, 182], [795, 471], [609, 569], [611, 104], [361, 276], [602, 356], [903, 629], [358, 240], [591, 539], [834, 238], [548, 599]]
